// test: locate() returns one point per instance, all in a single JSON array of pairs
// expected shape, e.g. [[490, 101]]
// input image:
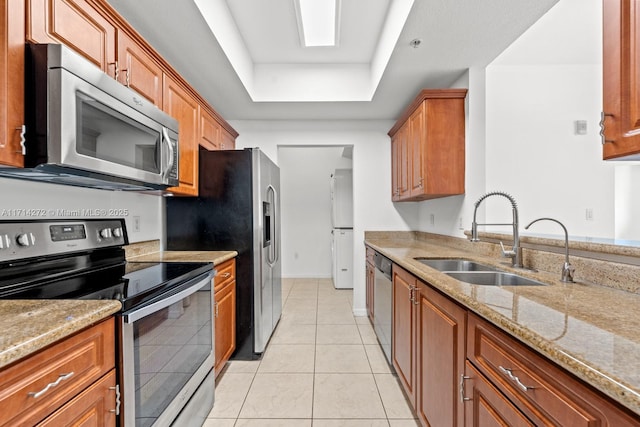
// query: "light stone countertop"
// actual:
[[216, 257], [30, 325], [591, 331]]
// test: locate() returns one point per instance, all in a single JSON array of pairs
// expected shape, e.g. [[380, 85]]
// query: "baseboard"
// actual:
[[360, 312]]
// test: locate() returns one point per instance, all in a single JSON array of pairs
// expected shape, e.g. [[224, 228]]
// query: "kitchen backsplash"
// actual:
[[143, 213]]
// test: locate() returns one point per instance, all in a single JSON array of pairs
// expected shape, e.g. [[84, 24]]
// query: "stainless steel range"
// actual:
[[165, 328]]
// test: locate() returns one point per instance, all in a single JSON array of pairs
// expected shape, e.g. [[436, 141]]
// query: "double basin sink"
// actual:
[[476, 273]]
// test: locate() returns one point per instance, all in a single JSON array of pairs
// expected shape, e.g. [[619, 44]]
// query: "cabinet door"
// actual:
[[441, 356], [486, 406], [95, 406], [209, 131], [138, 70], [179, 104], [227, 141], [404, 162], [12, 16], [225, 312], [404, 330], [76, 24], [621, 83], [416, 150]]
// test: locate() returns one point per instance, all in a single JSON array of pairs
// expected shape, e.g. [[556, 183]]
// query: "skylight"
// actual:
[[317, 22]]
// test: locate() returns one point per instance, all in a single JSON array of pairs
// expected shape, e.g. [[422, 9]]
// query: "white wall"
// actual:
[[306, 208], [373, 209], [520, 131], [51, 201]]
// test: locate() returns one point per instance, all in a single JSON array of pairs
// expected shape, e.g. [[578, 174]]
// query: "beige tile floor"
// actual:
[[322, 368]]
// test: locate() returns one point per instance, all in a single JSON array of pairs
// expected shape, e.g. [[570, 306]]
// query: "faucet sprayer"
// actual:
[[516, 251]]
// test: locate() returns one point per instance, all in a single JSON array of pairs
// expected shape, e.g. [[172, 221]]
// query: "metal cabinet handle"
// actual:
[[23, 140], [62, 377], [463, 399], [216, 309], [116, 72], [411, 296], [225, 275], [603, 139], [509, 373], [117, 390]]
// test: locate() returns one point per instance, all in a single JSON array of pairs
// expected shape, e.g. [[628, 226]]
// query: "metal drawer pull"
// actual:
[[462, 397], [62, 377], [509, 373], [225, 275], [117, 390]]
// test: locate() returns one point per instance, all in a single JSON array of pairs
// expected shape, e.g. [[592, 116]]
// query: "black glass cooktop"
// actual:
[[91, 276]]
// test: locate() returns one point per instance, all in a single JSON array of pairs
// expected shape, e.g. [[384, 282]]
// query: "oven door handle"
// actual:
[[189, 287]]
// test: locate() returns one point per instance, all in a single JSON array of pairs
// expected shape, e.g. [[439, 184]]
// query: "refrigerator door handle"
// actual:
[[276, 236], [271, 254]]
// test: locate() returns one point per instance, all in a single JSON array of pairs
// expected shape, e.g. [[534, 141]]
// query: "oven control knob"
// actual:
[[117, 232], [105, 233], [26, 239]]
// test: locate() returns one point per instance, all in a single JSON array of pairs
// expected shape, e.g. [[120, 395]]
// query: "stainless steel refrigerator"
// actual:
[[237, 208]]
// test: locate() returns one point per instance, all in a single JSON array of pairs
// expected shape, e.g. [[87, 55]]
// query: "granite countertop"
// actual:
[[216, 257], [30, 325], [591, 331]]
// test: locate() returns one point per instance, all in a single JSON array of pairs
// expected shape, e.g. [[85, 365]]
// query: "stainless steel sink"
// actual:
[[455, 264], [493, 278]]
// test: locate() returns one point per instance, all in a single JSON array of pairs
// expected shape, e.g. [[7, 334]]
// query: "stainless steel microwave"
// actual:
[[84, 128]]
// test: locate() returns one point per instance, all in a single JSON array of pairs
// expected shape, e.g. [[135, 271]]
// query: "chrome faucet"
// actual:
[[516, 251], [567, 268]]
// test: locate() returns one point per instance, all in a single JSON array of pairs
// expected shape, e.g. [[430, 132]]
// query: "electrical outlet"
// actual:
[[460, 226], [136, 224], [588, 214], [432, 219]]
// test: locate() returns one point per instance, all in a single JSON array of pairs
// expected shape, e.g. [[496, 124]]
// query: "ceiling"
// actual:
[[251, 66]]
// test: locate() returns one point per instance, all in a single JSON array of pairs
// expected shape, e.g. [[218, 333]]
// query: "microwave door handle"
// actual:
[[169, 164]]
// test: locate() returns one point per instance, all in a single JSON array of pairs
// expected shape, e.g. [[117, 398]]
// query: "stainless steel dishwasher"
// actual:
[[383, 303]]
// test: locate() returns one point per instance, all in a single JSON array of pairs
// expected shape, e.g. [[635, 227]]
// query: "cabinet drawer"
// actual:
[[95, 406], [35, 387], [543, 391], [226, 272]]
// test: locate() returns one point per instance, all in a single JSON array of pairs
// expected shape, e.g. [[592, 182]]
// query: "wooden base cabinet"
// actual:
[[440, 358], [541, 391], [83, 369], [459, 370], [225, 313], [404, 330], [484, 404]]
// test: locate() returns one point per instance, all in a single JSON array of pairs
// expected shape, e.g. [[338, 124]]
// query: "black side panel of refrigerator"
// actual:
[[221, 218]]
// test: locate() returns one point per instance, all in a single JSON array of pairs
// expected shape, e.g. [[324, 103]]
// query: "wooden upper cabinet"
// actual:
[[138, 70], [213, 135], [182, 106], [77, 24], [12, 14], [416, 146], [227, 140], [209, 131], [430, 151], [621, 79]]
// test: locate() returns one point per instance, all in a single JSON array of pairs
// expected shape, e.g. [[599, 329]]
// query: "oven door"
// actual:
[[167, 350]]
